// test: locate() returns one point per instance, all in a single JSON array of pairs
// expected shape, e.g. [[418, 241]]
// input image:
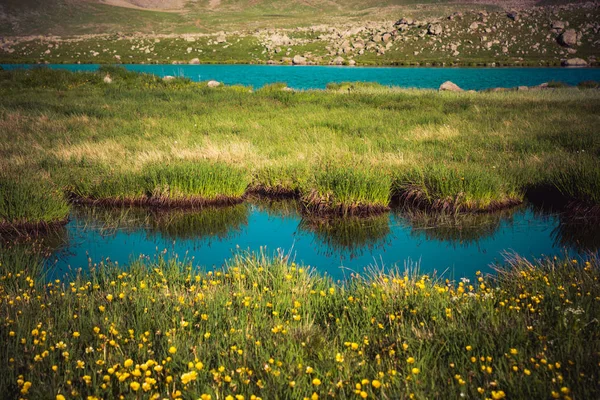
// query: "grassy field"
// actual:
[[140, 140], [266, 328]]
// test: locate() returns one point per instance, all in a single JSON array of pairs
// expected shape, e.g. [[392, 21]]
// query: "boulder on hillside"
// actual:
[[434, 29], [213, 84], [450, 87], [558, 25], [513, 15], [107, 79], [574, 62], [195, 61], [168, 78], [298, 60], [568, 38], [338, 61]]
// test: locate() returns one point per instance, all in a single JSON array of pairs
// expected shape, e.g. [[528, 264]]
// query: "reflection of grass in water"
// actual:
[[581, 234], [210, 222], [278, 208], [458, 229], [174, 224], [353, 234]]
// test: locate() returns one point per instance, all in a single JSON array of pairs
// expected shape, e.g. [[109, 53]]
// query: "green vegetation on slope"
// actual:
[[143, 138], [267, 328]]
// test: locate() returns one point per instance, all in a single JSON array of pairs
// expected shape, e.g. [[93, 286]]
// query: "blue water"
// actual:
[[317, 77], [454, 249]]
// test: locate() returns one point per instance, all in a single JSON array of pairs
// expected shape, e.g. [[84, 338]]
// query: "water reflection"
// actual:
[[210, 223], [461, 244], [458, 229], [352, 235]]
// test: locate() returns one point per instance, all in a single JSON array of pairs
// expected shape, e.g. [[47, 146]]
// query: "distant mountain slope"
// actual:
[[71, 17]]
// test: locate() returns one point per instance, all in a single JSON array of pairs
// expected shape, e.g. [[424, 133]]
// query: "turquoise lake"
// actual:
[[455, 246], [317, 77]]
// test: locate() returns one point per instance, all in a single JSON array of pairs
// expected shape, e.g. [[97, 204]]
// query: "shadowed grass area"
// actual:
[[29, 203], [343, 152], [579, 182], [266, 327]]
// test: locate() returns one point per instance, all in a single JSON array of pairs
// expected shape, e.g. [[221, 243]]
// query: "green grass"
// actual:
[[272, 329], [349, 190], [456, 189], [205, 180], [580, 180], [141, 138], [32, 201]]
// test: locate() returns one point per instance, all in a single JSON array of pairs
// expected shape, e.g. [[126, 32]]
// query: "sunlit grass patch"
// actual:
[[348, 190], [267, 327], [456, 189]]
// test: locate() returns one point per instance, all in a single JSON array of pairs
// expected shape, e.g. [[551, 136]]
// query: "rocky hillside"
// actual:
[[472, 34]]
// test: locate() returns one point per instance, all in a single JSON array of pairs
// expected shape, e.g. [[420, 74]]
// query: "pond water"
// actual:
[[456, 246], [317, 77]]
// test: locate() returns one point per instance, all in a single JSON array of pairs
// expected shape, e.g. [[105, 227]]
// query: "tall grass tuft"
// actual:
[[579, 182], [349, 190], [456, 189], [30, 202], [187, 181]]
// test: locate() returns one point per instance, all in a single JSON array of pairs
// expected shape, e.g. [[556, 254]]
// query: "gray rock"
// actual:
[[298, 60], [168, 78], [107, 79], [513, 15], [213, 84], [434, 29], [558, 25], [195, 61], [568, 38], [575, 62], [450, 87], [338, 61]]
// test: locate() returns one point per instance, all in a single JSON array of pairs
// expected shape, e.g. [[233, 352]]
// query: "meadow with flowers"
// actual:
[[266, 328]]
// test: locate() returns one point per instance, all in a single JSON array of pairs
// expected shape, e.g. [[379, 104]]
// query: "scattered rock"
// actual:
[[298, 60], [575, 62], [351, 62], [338, 61], [450, 87], [568, 38], [213, 84], [558, 25], [195, 61], [168, 78], [434, 29], [513, 15], [107, 79]]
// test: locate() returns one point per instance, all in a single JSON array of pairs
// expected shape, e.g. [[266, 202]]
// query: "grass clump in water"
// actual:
[[30, 203], [458, 189], [196, 183], [182, 184], [348, 190], [389, 334], [287, 180], [579, 183]]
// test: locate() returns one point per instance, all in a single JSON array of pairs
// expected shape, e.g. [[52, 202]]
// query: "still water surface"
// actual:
[[317, 77], [455, 246]]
